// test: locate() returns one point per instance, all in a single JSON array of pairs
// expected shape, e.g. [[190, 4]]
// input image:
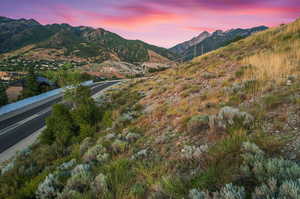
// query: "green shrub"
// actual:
[[271, 177], [138, 190], [174, 187], [120, 177], [107, 121], [60, 126], [198, 123]]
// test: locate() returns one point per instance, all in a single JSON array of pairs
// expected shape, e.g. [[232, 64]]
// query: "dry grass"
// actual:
[[281, 59], [273, 65]]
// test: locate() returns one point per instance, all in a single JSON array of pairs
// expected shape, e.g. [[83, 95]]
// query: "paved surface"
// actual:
[[18, 127]]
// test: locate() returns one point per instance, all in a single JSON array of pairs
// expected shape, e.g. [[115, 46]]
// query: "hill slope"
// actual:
[[91, 44], [225, 125]]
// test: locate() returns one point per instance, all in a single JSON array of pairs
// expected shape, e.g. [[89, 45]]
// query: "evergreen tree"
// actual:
[[3, 96], [31, 86], [60, 126]]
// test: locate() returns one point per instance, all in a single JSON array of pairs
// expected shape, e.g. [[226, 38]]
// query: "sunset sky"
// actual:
[[159, 22]]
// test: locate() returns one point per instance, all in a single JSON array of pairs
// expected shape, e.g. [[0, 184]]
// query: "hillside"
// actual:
[[206, 42], [28, 40], [225, 125]]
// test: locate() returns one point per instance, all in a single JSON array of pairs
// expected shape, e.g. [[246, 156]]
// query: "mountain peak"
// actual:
[[180, 48]]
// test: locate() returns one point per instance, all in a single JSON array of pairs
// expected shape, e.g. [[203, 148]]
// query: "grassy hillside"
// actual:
[[225, 125]]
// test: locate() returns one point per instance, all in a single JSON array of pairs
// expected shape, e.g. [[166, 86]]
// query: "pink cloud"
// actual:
[[200, 29]]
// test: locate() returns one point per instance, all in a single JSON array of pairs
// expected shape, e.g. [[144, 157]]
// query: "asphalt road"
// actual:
[[18, 127]]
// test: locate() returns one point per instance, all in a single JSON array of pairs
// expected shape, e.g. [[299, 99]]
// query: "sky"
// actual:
[[159, 22]]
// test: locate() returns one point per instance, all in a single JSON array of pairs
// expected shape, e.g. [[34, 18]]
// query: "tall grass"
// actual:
[[274, 66], [280, 59]]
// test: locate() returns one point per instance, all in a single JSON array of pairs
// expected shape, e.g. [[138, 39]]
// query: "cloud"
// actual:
[[200, 29]]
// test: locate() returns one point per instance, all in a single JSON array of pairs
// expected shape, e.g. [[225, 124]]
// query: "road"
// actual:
[[18, 127]]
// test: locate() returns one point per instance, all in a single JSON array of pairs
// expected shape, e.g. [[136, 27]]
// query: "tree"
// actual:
[[60, 126], [78, 95], [3, 96], [31, 86]]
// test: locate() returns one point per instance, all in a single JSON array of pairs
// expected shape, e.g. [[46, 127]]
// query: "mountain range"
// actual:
[[95, 45], [206, 42], [99, 50]]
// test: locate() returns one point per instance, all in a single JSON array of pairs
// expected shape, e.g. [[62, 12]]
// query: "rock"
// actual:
[[229, 116], [289, 83], [198, 123]]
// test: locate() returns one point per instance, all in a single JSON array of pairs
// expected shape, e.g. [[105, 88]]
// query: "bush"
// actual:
[[60, 126], [49, 188], [93, 152], [233, 118], [99, 186], [272, 178], [198, 123]]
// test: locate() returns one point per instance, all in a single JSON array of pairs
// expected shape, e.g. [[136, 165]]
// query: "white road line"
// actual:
[[20, 123]]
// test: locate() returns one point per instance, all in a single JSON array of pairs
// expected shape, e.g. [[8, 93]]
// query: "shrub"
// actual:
[[85, 145], [174, 186], [257, 166], [273, 177], [119, 146], [229, 191], [93, 152], [229, 117], [107, 121], [198, 123], [86, 113], [99, 186], [60, 126], [49, 188], [120, 177], [79, 182], [138, 190]]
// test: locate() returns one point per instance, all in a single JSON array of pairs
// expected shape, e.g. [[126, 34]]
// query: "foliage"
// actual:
[[60, 126], [3, 96], [31, 86]]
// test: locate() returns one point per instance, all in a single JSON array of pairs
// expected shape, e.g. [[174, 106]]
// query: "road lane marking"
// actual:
[[20, 123]]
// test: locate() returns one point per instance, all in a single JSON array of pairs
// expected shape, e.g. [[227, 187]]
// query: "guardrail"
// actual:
[[31, 100]]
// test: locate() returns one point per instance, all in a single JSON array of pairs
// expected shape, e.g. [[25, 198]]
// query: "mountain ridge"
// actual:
[[213, 41], [18, 33]]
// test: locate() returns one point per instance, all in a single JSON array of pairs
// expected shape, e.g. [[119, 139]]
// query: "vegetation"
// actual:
[[31, 87], [205, 129], [3, 96]]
